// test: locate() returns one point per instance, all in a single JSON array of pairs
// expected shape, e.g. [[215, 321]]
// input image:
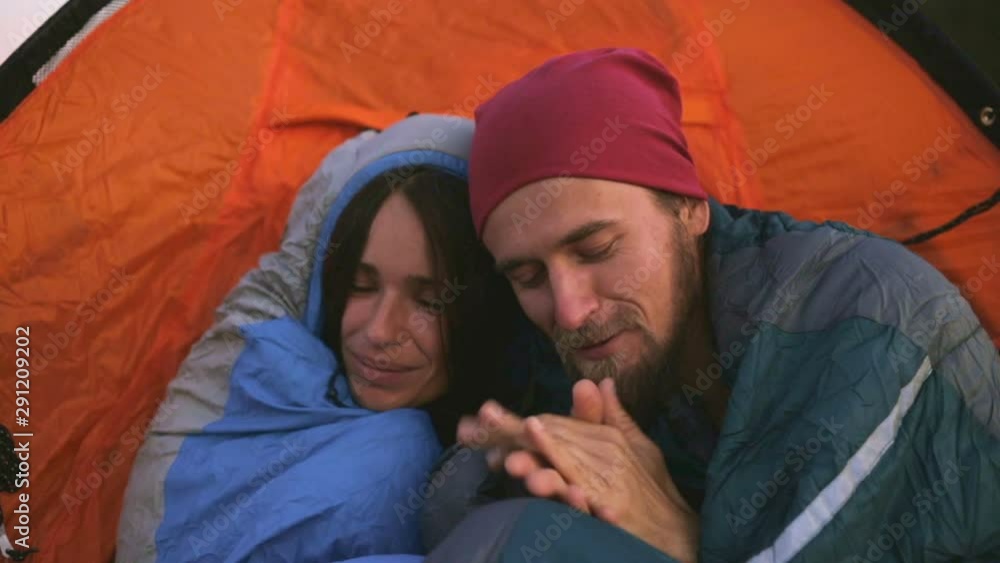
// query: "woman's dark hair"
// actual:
[[477, 326]]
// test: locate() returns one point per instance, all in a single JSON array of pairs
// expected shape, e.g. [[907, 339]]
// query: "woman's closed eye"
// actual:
[[425, 303], [363, 284]]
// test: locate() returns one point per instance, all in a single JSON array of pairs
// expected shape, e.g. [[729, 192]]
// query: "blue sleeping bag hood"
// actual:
[[248, 458]]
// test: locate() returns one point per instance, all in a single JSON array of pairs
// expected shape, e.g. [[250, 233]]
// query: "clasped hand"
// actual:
[[597, 460]]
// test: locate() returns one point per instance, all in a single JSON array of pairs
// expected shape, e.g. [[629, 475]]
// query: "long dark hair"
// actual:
[[477, 326]]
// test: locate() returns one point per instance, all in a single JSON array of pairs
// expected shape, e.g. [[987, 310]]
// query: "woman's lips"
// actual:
[[384, 376]]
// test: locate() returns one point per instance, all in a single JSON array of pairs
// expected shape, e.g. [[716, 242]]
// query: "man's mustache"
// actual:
[[594, 331]]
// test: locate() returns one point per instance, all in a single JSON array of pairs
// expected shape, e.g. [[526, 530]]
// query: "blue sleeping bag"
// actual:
[[250, 458], [286, 476]]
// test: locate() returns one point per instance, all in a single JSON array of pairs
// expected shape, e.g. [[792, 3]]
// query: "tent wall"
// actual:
[[153, 167], [95, 253]]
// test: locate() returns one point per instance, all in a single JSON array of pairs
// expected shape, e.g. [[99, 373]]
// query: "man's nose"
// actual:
[[574, 297]]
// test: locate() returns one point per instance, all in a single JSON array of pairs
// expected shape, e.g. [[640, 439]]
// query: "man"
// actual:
[[817, 393]]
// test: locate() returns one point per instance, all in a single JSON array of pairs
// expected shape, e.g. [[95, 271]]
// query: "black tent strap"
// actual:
[[946, 63], [981, 207], [17, 71], [940, 57]]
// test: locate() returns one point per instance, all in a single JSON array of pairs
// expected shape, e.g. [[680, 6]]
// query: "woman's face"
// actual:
[[392, 345]]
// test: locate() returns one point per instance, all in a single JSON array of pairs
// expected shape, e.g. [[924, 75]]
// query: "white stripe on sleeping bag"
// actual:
[[834, 496]]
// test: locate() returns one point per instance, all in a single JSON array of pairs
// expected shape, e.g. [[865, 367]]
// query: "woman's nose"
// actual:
[[383, 328]]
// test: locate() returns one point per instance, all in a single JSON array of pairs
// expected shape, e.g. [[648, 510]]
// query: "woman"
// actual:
[[415, 314], [305, 424]]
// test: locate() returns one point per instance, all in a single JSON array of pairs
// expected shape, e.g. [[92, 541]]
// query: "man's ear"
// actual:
[[696, 216]]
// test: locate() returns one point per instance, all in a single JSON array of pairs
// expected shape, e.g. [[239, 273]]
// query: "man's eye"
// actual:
[[359, 286], [529, 280], [600, 253]]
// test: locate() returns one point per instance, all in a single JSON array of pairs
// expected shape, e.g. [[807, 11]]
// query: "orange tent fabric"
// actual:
[[889, 151], [159, 161]]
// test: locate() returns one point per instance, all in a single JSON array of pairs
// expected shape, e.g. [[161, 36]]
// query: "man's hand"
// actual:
[[598, 461]]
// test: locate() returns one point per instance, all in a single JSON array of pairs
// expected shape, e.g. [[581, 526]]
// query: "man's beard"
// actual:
[[646, 385]]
